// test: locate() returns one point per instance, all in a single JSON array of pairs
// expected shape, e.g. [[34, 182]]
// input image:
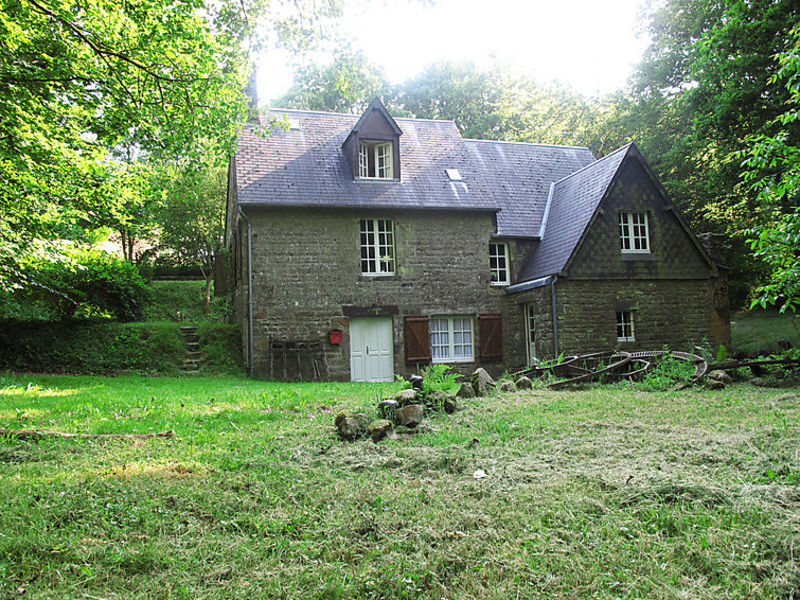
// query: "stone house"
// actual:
[[373, 245]]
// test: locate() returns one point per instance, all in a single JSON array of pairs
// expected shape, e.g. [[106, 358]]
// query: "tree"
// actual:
[[772, 169], [345, 85], [191, 217]]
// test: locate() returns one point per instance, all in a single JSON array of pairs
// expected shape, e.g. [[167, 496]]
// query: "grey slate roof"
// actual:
[[307, 167], [574, 202], [519, 175]]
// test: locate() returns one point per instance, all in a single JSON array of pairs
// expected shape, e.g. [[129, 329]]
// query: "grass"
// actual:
[[167, 298], [599, 493], [758, 331]]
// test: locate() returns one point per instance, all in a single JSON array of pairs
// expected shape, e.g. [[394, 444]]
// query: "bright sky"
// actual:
[[591, 45]]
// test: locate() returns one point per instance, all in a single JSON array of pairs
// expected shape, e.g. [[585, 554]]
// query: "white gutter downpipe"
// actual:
[[249, 292], [555, 315]]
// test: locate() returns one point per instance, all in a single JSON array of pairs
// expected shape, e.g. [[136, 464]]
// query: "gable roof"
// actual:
[[306, 166], [518, 176], [375, 104], [574, 202]]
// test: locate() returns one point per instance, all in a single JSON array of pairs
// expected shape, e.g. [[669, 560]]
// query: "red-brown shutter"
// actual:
[[417, 340], [491, 337]]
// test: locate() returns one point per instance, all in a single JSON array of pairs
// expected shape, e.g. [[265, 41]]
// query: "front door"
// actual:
[[530, 333], [371, 350]]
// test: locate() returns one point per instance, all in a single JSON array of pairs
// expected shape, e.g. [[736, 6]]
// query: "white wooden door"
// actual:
[[371, 350], [530, 333]]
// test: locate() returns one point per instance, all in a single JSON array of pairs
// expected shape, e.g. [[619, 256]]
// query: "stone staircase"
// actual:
[[191, 363]]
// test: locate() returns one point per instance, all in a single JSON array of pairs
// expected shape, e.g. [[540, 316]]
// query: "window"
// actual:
[[633, 232], [498, 264], [625, 326], [375, 160], [377, 247], [451, 339]]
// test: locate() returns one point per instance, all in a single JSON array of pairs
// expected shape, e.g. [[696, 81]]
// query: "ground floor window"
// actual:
[[451, 339], [625, 331]]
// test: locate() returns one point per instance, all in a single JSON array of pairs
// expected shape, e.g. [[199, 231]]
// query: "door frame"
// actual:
[[380, 326]]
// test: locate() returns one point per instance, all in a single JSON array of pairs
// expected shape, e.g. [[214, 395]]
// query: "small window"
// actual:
[[451, 339], [625, 332], [498, 264], [375, 160], [377, 246], [453, 174], [633, 232]]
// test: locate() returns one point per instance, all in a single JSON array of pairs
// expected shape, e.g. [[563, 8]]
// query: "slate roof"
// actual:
[[574, 202], [307, 167], [518, 177]]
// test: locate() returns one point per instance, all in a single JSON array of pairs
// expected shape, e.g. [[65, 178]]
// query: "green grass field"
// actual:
[[599, 493], [759, 331]]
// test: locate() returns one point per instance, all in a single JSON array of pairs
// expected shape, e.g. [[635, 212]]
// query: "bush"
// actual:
[[91, 348], [167, 298], [78, 283]]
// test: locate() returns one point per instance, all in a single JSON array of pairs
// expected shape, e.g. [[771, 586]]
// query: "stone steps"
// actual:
[[193, 357]]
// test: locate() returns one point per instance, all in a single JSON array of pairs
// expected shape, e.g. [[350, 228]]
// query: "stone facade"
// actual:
[[307, 278]]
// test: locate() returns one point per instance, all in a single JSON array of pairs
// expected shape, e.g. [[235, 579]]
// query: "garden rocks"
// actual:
[[715, 384], [721, 376], [409, 416], [481, 381], [506, 385], [416, 382], [524, 383], [466, 391], [759, 382], [386, 408], [379, 429], [351, 426], [405, 397], [443, 400]]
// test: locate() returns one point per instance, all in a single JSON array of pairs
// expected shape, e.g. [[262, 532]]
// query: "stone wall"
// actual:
[[307, 277]]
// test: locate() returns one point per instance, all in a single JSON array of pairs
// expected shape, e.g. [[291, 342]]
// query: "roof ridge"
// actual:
[[340, 114], [527, 144], [599, 160]]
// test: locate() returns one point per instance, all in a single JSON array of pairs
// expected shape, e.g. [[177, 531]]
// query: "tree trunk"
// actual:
[[207, 299]]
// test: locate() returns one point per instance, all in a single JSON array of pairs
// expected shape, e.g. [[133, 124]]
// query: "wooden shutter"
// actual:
[[417, 340], [491, 337]]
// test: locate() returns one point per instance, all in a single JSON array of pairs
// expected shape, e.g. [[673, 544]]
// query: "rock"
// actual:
[[524, 383], [481, 381], [721, 376], [409, 416], [405, 397], [386, 408], [416, 381], [451, 404], [715, 384], [759, 382], [351, 426], [466, 391], [506, 385], [379, 429]]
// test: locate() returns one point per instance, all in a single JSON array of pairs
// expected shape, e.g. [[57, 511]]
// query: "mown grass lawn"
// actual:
[[597, 493]]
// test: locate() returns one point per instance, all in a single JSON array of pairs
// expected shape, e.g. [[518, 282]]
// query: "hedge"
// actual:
[[108, 348]]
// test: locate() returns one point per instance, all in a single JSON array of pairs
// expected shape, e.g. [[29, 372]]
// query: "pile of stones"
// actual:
[[407, 408]]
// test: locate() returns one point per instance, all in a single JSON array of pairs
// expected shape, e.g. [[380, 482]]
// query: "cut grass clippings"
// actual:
[[597, 493]]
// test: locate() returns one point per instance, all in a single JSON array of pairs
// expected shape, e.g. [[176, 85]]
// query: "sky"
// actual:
[[590, 45]]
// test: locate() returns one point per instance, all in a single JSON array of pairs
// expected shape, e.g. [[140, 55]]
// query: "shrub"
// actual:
[[221, 346], [91, 348]]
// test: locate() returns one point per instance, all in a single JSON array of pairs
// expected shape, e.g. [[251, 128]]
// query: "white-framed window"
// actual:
[[451, 339], [625, 331], [377, 246], [634, 235], [375, 160], [498, 264]]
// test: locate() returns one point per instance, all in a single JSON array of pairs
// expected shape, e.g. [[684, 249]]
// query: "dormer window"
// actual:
[[375, 160]]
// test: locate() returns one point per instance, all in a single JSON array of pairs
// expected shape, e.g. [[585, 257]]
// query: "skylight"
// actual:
[[453, 174]]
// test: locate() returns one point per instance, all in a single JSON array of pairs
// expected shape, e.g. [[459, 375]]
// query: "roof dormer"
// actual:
[[373, 145]]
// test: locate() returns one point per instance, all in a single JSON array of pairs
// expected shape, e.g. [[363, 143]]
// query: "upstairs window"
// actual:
[[451, 339], [498, 264], [375, 160], [625, 331], [634, 235], [377, 247]]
